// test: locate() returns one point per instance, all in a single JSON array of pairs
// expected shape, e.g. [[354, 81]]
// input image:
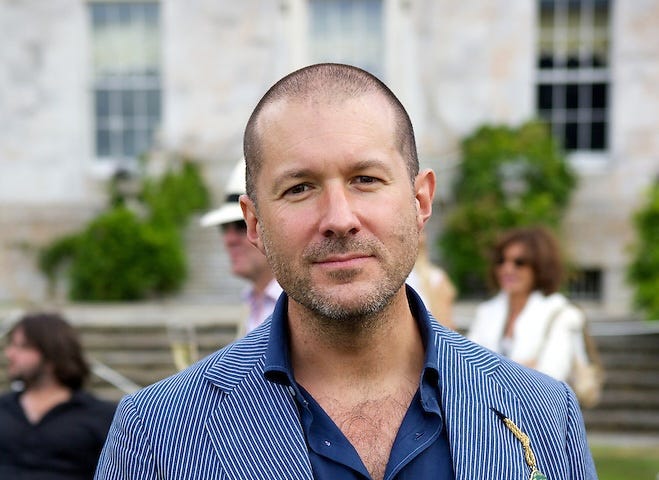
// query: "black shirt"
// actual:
[[64, 444]]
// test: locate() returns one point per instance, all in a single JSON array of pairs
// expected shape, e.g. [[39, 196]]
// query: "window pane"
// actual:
[[544, 97], [572, 96], [347, 31], [585, 284], [599, 95], [142, 140], [129, 143], [150, 11], [102, 142], [102, 103], [153, 103], [116, 143], [598, 136], [124, 12], [571, 136], [99, 15], [127, 104]]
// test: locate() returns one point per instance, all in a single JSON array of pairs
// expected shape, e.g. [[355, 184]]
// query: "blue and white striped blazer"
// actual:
[[221, 419]]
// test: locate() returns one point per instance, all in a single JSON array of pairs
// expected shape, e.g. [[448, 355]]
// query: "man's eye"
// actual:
[[366, 179], [297, 189]]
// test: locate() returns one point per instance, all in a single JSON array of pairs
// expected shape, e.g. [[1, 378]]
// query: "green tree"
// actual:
[[508, 177], [121, 255], [643, 271]]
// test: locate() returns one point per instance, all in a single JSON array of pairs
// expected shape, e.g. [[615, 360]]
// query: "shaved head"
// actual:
[[325, 84]]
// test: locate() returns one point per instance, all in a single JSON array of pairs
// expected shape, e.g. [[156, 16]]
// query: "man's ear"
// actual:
[[424, 190], [252, 221]]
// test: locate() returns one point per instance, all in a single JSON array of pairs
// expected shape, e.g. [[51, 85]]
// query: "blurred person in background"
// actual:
[[528, 320], [246, 260], [50, 429], [433, 285]]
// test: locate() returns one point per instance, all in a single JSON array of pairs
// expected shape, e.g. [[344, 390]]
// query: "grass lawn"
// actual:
[[623, 463]]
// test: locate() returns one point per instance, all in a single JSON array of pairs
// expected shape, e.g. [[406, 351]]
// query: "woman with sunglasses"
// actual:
[[528, 320]]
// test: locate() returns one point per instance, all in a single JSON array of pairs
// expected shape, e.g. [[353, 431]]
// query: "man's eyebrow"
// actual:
[[372, 163], [291, 173]]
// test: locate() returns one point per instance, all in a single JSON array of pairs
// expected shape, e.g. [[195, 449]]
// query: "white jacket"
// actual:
[[552, 351]]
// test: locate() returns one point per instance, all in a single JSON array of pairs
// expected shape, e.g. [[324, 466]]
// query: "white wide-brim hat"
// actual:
[[230, 211]]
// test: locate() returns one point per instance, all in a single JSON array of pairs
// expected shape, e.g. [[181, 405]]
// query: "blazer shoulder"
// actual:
[[523, 382], [224, 369]]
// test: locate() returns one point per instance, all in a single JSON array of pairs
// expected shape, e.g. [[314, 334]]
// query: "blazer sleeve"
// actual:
[[127, 454]]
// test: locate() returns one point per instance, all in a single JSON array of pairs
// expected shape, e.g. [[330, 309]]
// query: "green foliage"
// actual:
[[121, 256], [173, 197], [509, 177], [643, 271]]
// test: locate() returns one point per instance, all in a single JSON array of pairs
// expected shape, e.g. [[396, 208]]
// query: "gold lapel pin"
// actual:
[[526, 445]]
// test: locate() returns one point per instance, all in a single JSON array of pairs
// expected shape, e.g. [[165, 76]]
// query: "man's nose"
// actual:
[[338, 215]]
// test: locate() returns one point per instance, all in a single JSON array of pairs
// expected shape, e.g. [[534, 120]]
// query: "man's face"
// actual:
[[338, 216], [246, 260], [24, 362], [514, 271]]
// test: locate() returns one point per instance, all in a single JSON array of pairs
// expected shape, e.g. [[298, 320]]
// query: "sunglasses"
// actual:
[[238, 226], [518, 262]]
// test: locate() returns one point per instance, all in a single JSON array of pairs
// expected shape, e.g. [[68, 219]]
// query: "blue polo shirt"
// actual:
[[420, 449]]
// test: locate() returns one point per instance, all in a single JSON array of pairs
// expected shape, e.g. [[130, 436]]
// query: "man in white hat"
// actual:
[[246, 260]]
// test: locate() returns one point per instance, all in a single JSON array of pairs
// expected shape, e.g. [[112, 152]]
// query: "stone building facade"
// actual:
[[455, 65]]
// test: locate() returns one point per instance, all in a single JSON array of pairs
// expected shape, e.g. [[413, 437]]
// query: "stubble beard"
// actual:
[[358, 314], [30, 377]]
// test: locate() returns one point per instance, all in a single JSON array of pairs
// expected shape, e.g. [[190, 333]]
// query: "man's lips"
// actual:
[[342, 261]]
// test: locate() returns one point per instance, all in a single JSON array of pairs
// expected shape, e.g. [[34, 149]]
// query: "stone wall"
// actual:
[[455, 65]]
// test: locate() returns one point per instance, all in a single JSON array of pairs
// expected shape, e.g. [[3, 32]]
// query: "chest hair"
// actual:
[[371, 427]]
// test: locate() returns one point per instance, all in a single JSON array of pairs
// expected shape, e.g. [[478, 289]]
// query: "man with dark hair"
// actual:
[[50, 428], [351, 377]]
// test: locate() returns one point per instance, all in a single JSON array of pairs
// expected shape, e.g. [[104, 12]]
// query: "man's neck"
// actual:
[[364, 380], [383, 352], [39, 399]]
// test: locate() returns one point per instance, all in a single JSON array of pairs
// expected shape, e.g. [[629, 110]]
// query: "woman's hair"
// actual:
[[58, 343], [542, 253]]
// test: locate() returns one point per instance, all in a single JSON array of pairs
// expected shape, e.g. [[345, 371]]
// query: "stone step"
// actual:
[[135, 341], [633, 378], [630, 399], [622, 421]]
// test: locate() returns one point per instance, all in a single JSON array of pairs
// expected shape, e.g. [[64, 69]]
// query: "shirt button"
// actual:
[[327, 443]]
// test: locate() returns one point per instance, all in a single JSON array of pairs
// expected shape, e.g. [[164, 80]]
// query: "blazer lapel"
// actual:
[[255, 429], [481, 445]]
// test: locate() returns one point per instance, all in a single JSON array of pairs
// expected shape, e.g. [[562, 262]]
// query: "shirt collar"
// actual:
[[277, 360]]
